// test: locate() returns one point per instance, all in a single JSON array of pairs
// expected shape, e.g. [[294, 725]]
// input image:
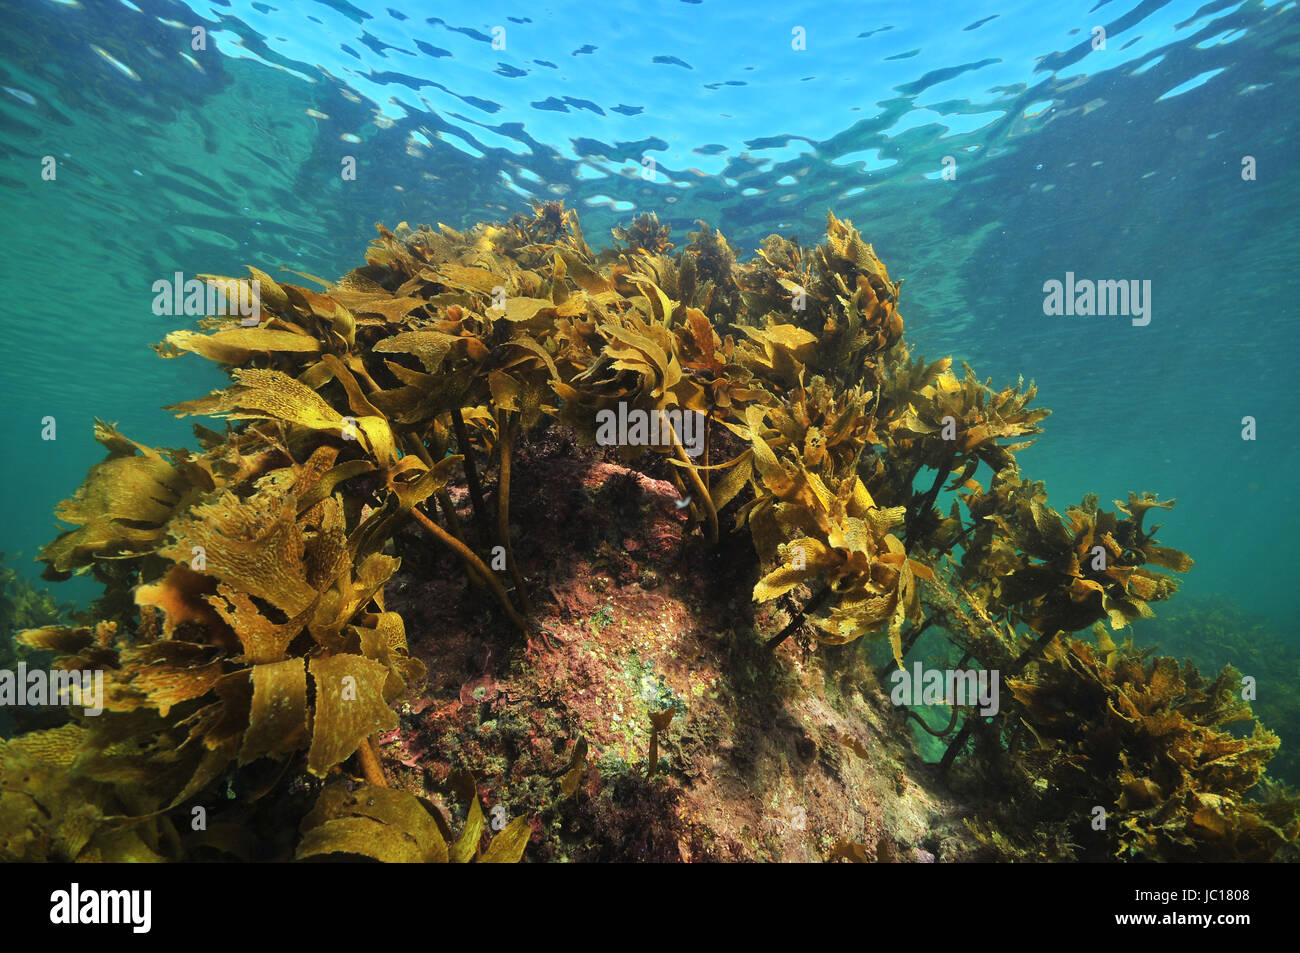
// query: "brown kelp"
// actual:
[[1213, 631], [1131, 756], [244, 630]]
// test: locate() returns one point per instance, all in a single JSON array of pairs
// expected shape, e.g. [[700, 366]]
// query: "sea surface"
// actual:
[[985, 148]]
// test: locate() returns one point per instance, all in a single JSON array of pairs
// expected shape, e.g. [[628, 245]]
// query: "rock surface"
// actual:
[[770, 756]]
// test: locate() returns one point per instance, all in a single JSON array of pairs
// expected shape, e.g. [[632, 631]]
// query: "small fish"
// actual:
[[682, 503]]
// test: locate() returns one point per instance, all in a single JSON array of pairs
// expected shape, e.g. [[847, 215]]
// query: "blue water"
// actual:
[[1117, 163]]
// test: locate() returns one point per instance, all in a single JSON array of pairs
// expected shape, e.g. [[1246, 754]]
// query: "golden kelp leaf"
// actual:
[[324, 486], [392, 310], [383, 823], [643, 354], [733, 480], [1140, 792], [1169, 558], [378, 438], [266, 394], [375, 570], [816, 558], [277, 720], [848, 850], [47, 812], [344, 324], [577, 765], [312, 302], [428, 347], [269, 291], [60, 639], [362, 836], [559, 288], [165, 685], [881, 519], [254, 545], [473, 279], [850, 620], [921, 570], [181, 596], [586, 279], [1208, 819], [263, 640], [120, 508], [505, 390], [236, 345], [349, 708], [899, 614], [791, 337], [661, 306], [1138, 505], [414, 483], [218, 752], [55, 747], [572, 308], [466, 846], [507, 847], [774, 476], [1048, 523], [524, 309], [385, 642], [703, 335], [533, 347]]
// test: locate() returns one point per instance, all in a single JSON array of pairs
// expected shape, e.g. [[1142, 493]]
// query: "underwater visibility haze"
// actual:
[[649, 431]]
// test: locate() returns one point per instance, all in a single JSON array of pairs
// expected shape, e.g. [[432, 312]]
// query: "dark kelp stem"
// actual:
[[475, 564], [813, 605], [952, 722], [1017, 666], [416, 446], [708, 434], [506, 441], [453, 520], [471, 473], [918, 520], [706, 501]]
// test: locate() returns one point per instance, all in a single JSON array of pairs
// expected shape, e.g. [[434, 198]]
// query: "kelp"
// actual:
[[244, 616], [1148, 741], [397, 827], [1213, 631]]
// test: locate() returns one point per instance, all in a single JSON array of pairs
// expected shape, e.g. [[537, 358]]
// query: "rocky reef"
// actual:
[[414, 585]]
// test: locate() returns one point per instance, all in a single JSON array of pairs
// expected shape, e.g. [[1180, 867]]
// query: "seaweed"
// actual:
[[1148, 741], [1214, 631], [244, 621], [396, 827]]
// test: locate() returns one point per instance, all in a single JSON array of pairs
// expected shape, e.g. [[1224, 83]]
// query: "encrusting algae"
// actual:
[[244, 635]]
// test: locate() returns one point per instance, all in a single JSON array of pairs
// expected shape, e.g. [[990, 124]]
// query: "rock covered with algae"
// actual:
[[404, 564]]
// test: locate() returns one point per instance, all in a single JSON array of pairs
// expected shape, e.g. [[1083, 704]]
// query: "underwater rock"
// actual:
[[767, 758], [405, 564]]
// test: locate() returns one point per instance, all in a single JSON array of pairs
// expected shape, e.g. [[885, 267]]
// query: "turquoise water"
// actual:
[[1117, 163]]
